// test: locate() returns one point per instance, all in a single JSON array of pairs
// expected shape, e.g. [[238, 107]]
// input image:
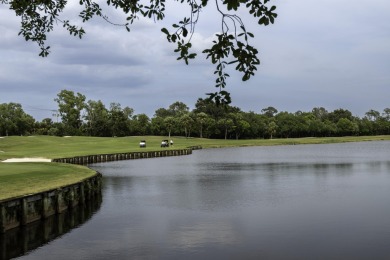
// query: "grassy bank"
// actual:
[[57, 147], [17, 179]]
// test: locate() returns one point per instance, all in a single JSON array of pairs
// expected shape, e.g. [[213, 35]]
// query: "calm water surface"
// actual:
[[284, 202]]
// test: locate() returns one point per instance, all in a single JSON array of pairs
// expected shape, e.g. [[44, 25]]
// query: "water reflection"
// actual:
[[238, 167], [19, 241], [193, 235], [281, 168]]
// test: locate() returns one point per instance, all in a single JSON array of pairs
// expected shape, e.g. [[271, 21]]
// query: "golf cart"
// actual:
[[165, 143]]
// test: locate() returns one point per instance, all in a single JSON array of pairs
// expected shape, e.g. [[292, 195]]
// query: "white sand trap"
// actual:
[[27, 160]]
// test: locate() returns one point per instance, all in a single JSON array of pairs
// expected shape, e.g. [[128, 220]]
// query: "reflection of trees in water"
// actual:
[[117, 183], [272, 169], [19, 241], [379, 166], [232, 185]]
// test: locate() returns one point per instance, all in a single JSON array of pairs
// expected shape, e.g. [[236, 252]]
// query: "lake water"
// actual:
[[328, 201]]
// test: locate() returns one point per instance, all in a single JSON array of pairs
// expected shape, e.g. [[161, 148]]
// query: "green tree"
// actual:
[[337, 114], [347, 127], [43, 127], [269, 111], [187, 122], [272, 128], [330, 128], [14, 121], [210, 128], [226, 124], [240, 126], [365, 126], [97, 119], [385, 121], [316, 128], [57, 129], [118, 120], [177, 109], [201, 119], [140, 125], [169, 123], [209, 108], [163, 113], [70, 107], [302, 124], [287, 123], [157, 126], [372, 115], [214, 110], [256, 124], [386, 114], [231, 46], [320, 113]]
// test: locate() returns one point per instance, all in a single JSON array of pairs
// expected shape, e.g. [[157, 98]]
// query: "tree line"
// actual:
[[76, 116]]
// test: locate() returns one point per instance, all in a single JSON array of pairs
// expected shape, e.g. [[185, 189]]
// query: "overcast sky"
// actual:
[[323, 53]]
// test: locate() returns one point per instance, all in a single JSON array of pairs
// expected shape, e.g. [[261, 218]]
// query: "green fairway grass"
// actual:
[[59, 147], [18, 179]]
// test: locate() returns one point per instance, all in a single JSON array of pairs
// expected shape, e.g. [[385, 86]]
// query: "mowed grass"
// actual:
[[18, 179], [58, 147]]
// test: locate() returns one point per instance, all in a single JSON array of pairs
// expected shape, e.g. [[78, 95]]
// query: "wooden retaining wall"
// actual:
[[89, 159], [21, 211]]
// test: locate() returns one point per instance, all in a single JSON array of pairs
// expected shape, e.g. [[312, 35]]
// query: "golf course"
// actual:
[[23, 178]]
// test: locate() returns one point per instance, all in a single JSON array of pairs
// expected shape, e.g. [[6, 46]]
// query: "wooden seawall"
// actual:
[[17, 212], [89, 159]]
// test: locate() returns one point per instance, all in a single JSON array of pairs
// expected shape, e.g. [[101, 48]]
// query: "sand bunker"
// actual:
[[28, 160]]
